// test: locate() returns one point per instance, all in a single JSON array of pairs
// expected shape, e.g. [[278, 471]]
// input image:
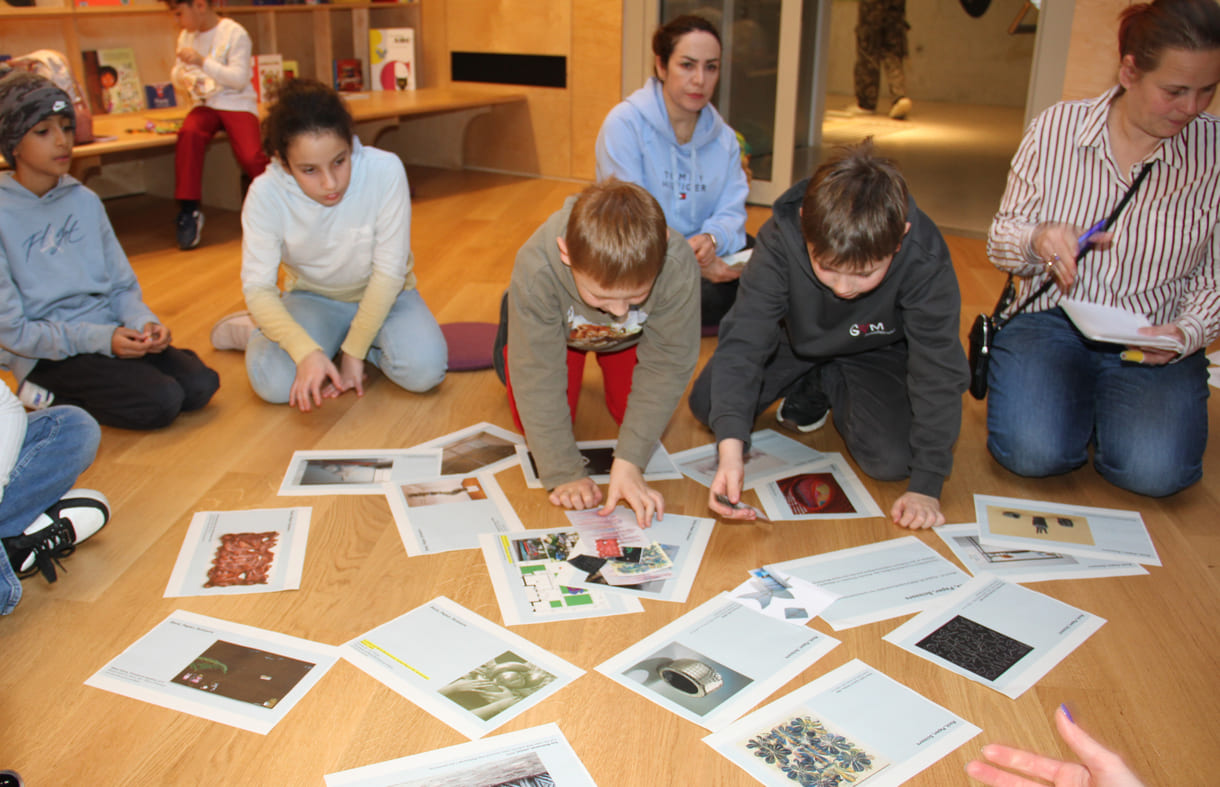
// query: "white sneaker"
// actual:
[[56, 532], [855, 110], [901, 108], [232, 332]]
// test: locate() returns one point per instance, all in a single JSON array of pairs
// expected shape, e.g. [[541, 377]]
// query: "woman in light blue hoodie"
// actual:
[[669, 139]]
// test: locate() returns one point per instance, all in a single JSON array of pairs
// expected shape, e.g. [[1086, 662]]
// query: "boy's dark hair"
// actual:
[[1146, 30], [855, 209], [617, 235], [304, 106], [666, 38]]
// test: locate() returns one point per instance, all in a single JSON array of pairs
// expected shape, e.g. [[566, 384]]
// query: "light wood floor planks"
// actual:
[[1147, 683]]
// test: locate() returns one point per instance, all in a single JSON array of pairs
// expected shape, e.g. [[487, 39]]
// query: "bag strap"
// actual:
[[1010, 290]]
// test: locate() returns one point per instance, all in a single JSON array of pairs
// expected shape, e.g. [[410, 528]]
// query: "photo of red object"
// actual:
[[815, 493]]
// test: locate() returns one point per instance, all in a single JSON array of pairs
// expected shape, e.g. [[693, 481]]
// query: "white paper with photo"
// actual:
[[356, 472], [484, 448], [597, 456], [1026, 565], [782, 596], [225, 672], [524, 570], [236, 552], [877, 581], [717, 661], [1102, 533], [460, 667], [771, 455], [683, 538], [1004, 636], [450, 512], [540, 753], [824, 489], [879, 732]]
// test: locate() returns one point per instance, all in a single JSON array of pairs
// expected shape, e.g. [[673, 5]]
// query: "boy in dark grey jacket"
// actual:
[[849, 304]]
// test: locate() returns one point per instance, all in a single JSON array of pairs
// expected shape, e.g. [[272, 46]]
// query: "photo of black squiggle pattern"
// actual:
[[973, 646]]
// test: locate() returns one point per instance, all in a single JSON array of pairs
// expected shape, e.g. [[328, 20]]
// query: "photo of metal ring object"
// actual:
[[691, 677]]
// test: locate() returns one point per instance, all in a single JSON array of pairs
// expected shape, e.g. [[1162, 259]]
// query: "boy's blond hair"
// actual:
[[855, 209], [617, 235]]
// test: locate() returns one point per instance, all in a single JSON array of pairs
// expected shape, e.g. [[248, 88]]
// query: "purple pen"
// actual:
[[1087, 238]]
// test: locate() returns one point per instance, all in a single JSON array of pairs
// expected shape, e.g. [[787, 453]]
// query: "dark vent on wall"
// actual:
[[533, 70]]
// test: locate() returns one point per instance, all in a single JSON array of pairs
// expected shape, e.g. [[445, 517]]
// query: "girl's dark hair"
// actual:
[[1146, 30], [304, 106], [668, 34]]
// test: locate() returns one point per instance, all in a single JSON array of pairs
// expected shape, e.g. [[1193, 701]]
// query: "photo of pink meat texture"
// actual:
[[242, 559]]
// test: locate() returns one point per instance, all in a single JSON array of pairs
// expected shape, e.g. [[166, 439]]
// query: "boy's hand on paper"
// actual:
[[730, 474], [627, 484], [577, 495], [156, 336], [351, 372], [1098, 766], [1158, 357], [917, 511], [128, 343], [314, 371]]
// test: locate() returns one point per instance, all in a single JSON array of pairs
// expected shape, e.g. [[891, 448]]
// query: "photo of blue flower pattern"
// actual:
[[812, 754]]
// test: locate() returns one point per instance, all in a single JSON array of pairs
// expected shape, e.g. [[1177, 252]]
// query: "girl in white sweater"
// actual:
[[338, 216]]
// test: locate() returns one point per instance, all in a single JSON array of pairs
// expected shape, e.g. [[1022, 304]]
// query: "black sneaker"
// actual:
[[190, 228], [806, 415], [55, 534]]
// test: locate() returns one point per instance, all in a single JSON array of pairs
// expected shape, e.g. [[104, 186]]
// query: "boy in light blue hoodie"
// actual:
[[71, 317]]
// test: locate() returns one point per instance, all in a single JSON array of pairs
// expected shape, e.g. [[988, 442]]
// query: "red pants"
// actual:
[[617, 369], [200, 125]]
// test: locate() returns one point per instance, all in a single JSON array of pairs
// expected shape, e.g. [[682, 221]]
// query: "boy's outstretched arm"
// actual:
[[917, 511], [627, 484], [730, 474]]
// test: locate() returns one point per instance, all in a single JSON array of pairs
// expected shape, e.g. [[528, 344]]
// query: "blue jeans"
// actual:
[[1053, 392], [60, 442], [409, 349]]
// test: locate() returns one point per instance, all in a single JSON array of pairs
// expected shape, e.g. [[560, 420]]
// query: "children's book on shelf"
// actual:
[[291, 69], [348, 75], [392, 58], [160, 95], [267, 73], [112, 80]]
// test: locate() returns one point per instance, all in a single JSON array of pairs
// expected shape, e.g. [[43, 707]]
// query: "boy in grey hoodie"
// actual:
[[71, 317], [849, 304]]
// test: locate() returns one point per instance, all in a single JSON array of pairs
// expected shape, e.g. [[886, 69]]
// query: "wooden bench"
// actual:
[[125, 137]]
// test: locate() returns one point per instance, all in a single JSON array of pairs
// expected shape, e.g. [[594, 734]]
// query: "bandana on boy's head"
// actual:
[[25, 101]]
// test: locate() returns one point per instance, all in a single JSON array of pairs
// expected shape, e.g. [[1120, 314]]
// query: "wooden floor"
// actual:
[[1148, 682]]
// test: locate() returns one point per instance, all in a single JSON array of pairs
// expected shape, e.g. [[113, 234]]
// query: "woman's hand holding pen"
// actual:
[[1058, 246]]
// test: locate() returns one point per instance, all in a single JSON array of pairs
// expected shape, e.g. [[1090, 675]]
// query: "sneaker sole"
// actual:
[[225, 336], [803, 428]]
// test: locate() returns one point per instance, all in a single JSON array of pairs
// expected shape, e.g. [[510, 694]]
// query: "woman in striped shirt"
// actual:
[[1053, 391]]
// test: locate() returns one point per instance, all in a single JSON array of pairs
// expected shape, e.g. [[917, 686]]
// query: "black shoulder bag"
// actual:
[[986, 326]]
